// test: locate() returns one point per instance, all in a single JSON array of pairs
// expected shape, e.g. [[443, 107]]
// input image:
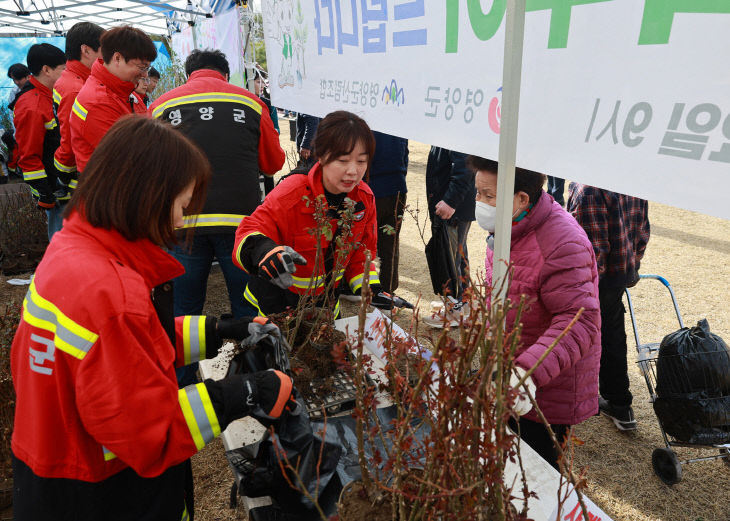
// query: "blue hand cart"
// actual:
[[667, 466]]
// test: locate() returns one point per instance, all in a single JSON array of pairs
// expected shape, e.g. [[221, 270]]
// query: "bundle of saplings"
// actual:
[[693, 386]]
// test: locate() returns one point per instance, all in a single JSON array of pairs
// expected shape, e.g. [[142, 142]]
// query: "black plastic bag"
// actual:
[[444, 276], [265, 348], [301, 441], [695, 418], [296, 441], [693, 386], [693, 360]]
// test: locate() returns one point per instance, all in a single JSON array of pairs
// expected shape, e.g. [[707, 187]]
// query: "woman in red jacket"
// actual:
[[294, 255], [101, 429]]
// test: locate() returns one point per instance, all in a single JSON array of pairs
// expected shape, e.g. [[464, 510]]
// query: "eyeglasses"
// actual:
[[143, 68]]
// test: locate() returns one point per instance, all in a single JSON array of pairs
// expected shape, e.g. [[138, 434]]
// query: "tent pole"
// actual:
[[511, 78]]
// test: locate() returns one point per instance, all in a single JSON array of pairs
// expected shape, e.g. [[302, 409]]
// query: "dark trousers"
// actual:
[[121, 497], [536, 436], [556, 187], [389, 211], [192, 286], [613, 377]]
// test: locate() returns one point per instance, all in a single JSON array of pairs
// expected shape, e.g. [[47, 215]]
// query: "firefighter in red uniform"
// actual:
[[233, 128], [36, 129], [82, 50], [276, 242], [101, 429], [108, 93]]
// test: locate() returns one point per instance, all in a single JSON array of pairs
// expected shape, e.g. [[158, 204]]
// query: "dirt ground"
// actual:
[[691, 250]]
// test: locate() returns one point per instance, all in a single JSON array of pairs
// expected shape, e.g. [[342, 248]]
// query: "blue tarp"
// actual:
[[14, 50]]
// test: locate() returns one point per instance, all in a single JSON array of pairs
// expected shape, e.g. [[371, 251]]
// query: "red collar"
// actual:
[[207, 73], [153, 263], [78, 68], [314, 178], [121, 88], [42, 89]]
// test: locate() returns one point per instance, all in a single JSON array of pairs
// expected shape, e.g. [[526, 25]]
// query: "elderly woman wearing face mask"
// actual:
[[554, 267]]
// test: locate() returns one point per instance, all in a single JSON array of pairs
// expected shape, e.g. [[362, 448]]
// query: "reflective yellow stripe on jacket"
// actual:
[[193, 338], [316, 282], [212, 219], [33, 175], [356, 282], [207, 97], [240, 247], [50, 125], [62, 167], [108, 455], [68, 336], [199, 414], [56, 97], [252, 300], [79, 110]]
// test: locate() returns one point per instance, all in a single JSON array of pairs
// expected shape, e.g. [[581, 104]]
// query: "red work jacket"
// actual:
[[64, 95], [233, 128], [36, 131], [102, 100], [94, 370], [286, 218]]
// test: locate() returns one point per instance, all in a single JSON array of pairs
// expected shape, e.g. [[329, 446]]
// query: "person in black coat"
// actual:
[[388, 183], [306, 129], [450, 193]]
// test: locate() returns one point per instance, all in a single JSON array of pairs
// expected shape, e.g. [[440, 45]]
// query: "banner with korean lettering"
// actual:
[[628, 95]]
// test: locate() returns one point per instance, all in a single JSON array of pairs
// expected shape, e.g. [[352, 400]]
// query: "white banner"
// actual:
[[220, 32], [628, 95]]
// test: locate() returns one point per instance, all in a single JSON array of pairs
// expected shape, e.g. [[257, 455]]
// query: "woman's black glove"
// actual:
[[277, 263], [265, 395]]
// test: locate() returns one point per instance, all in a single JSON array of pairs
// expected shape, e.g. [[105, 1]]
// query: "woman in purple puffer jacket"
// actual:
[[555, 268]]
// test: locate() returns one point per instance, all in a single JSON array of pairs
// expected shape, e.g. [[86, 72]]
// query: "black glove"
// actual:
[[237, 328], [277, 265], [275, 394], [264, 395], [65, 178], [384, 300], [46, 201]]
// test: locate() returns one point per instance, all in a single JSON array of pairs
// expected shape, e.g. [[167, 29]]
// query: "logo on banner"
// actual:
[[393, 94], [289, 30], [494, 114]]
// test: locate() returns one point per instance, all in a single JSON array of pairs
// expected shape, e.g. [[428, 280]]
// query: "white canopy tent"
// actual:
[[55, 17]]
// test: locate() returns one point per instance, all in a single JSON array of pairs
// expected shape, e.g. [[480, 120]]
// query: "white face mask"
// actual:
[[486, 216]]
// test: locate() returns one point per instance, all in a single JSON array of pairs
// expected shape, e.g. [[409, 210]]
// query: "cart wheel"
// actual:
[[725, 454], [666, 466]]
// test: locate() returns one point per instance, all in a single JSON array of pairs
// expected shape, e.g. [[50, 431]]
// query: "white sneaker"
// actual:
[[447, 313]]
